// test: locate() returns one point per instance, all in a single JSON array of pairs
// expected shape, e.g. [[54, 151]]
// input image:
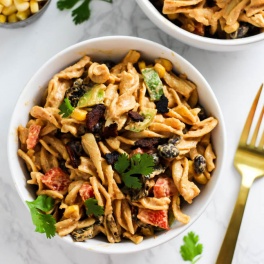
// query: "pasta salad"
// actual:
[[116, 149], [223, 19]]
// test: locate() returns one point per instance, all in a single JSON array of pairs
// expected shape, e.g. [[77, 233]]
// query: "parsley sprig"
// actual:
[[191, 250], [44, 223], [142, 164], [80, 13], [92, 207]]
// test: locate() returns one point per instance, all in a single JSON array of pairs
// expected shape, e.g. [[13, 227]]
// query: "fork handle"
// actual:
[[228, 246]]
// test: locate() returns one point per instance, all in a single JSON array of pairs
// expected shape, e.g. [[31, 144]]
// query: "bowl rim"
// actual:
[[173, 30], [12, 145]]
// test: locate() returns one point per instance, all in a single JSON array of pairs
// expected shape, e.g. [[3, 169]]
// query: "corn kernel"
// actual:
[[23, 15], [160, 70], [21, 5], [6, 2], [141, 65], [72, 211], [200, 178], [190, 170], [165, 63], [12, 18], [79, 114], [9, 10], [2, 19], [34, 7]]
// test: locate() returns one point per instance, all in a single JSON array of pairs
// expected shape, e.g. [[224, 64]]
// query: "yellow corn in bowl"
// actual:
[[19, 13]]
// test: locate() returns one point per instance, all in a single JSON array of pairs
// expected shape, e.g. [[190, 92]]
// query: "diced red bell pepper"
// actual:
[[33, 136], [164, 187], [86, 191], [158, 218], [56, 179]]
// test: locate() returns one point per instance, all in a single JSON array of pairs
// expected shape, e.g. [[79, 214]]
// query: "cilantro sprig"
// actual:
[[80, 13], [66, 108], [191, 250], [142, 164], [92, 207], [44, 223]]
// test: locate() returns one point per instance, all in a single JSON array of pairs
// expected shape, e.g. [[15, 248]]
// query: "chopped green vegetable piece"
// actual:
[[92, 207], [94, 96], [153, 83], [45, 223], [191, 250], [80, 13], [142, 164], [148, 114], [66, 108]]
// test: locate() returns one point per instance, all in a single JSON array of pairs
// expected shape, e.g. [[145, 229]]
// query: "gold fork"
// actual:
[[249, 161]]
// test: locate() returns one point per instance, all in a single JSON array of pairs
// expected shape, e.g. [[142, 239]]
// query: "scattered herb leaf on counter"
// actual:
[[92, 207], [80, 13], [66, 108], [191, 250], [142, 164], [44, 223]]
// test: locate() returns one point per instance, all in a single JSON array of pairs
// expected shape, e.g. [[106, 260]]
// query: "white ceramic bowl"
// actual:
[[194, 40], [114, 48]]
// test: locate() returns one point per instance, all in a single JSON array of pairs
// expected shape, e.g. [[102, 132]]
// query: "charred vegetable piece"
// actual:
[[75, 92], [135, 116], [168, 151], [74, 149], [94, 117], [111, 224], [112, 157], [199, 164], [110, 131], [136, 194], [148, 114], [162, 105], [93, 96], [82, 234], [148, 143], [153, 83]]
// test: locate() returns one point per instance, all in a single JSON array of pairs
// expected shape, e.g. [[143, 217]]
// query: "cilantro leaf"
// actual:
[[44, 223], [92, 207], [82, 12], [131, 182], [142, 164], [191, 250], [122, 163], [66, 108], [66, 4]]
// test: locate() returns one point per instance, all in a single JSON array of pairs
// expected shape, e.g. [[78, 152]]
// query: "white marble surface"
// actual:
[[234, 77]]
